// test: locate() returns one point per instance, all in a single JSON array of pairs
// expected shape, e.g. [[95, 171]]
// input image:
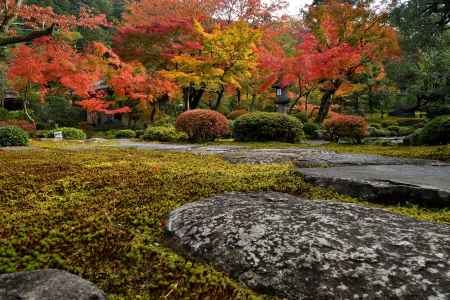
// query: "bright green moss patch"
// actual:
[[424, 152], [98, 213]]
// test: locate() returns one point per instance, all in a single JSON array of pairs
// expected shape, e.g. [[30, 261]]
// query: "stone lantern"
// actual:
[[282, 99]]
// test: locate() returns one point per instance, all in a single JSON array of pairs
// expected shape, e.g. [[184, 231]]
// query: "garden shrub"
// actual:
[[436, 132], [164, 121], [346, 126], [404, 130], [413, 139], [57, 110], [42, 134], [23, 124], [125, 134], [387, 123], [13, 136], [203, 125], [379, 132], [301, 116], [164, 134], [263, 126], [237, 113], [376, 125], [70, 133], [411, 122], [311, 129]]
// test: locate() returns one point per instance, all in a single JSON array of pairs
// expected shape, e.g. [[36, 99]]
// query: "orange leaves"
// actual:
[[37, 16], [48, 61]]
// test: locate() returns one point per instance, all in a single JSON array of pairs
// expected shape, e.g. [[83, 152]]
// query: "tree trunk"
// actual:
[[197, 97], [238, 97], [220, 94], [325, 105]]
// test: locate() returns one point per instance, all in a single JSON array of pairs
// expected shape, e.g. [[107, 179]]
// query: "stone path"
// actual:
[[286, 246], [300, 156], [425, 185]]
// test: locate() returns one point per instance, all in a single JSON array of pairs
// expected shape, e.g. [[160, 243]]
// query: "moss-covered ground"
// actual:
[[98, 212]]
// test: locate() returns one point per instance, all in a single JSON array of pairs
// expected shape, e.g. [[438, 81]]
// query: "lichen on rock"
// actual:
[[294, 248]]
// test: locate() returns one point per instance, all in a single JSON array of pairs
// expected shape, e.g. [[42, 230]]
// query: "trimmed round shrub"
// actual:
[[311, 129], [164, 134], [203, 124], [263, 126], [70, 133], [237, 113], [13, 136], [125, 134], [436, 132], [346, 126]]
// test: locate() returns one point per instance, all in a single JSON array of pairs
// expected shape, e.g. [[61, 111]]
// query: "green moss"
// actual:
[[423, 152], [98, 213]]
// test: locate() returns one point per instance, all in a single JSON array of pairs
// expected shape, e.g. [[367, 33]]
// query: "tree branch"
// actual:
[[26, 38]]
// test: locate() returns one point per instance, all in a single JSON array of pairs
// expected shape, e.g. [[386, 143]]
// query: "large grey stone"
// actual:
[[47, 285], [293, 248], [426, 185]]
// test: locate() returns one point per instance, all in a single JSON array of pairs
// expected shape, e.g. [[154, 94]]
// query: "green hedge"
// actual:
[[125, 134], [164, 134], [69, 133], [263, 126], [13, 136]]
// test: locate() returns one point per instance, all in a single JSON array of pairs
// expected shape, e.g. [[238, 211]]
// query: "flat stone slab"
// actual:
[[47, 285], [282, 245], [300, 156], [426, 185]]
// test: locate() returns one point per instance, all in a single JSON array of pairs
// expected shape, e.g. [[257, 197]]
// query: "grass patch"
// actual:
[[97, 213]]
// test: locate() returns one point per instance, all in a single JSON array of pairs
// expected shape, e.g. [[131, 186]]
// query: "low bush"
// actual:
[[436, 132], [376, 125], [413, 139], [11, 115], [203, 125], [13, 136], [125, 134], [263, 126], [164, 134], [346, 126], [379, 132], [311, 130], [69, 133], [387, 123], [23, 124], [301, 116], [413, 122], [164, 121], [237, 113], [42, 134]]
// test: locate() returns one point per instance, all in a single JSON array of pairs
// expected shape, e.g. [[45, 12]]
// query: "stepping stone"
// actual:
[[282, 245], [47, 285], [392, 184]]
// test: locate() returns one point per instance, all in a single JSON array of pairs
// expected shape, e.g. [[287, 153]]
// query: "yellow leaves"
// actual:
[[226, 57], [348, 88]]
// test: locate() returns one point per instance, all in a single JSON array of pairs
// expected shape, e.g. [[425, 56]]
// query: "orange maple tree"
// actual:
[[343, 41], [52, 65], [42, 21]]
